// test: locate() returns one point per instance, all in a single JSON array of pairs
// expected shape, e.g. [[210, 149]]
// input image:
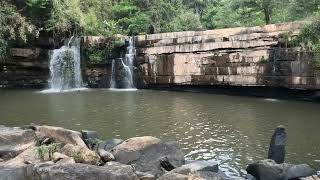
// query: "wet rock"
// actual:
[[146, 152], [24, 172], [105, 155], [298, 171], [15, 140], [80, 154], [198, 175], [165, 163], [61, 135], [86, 134], [86, 172], [277, 150], [109, 144], [270, 170], [266, 170], [58, 156], [90, 138], [197, 166]]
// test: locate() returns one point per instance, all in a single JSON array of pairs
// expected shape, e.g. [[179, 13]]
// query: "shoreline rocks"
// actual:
[[54, 153]]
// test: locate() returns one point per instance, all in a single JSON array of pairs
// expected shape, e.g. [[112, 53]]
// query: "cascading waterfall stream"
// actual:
[[122, 78], [65, 68]]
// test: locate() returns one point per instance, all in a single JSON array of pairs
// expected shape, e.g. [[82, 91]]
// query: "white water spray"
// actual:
[[65, 68]]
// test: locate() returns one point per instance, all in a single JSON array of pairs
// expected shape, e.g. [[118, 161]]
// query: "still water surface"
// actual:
[[227, 129]]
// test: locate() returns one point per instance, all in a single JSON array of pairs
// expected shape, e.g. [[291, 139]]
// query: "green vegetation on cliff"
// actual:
[[21, 20]]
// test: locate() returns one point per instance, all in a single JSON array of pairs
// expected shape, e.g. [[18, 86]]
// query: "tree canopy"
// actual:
[[64, 18]]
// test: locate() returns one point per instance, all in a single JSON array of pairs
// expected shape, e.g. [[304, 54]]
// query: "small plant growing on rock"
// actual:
[[46, 151]]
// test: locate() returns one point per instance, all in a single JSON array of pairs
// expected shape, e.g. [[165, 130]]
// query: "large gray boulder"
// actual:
[[270, 170], [61, 135], [85, 172], [146, 152], [24, 172], [15, 140]]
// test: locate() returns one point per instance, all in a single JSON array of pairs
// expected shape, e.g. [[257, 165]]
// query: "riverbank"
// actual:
[[46, 152]]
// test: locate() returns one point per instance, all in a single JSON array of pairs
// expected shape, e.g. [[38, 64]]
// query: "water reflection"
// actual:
[[233, 131]]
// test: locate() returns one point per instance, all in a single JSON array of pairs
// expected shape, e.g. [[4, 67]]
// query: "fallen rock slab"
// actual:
[[85, 172], [269, 170], [15, 140], [146, 152], [61, 135], [24, 172]]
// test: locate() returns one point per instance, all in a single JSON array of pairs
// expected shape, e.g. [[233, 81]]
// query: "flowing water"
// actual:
[[127, 62], [65, 71], [228, 129]]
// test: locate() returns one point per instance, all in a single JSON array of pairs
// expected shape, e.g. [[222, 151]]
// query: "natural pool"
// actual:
[[228, 129]]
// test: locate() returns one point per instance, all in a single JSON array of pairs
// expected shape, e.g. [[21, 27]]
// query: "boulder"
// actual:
[[61, 135], [15, 140], [29, 156], [197, 166], [90, 138], [270, 170], [199, 175], [145, 176], [58, 156], [146, 152], [105, 155], [277, 150], [109, 144], [24, 172], [298, 171], [80, 154], [68, 160], [86, 172]]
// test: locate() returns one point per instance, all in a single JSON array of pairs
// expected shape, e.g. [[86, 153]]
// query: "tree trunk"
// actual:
[[268, 15]]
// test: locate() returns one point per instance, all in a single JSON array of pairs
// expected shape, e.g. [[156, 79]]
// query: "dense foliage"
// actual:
[[21, 20]]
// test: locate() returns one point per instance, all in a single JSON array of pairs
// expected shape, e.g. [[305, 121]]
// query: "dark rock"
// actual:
[[145, 153], [86, 172], [298, 171], [47, 141], [277, 150], [105, 155], [270, 170], [15, 140], [109, 144], [164, 162], [89, 134], [266, 170]]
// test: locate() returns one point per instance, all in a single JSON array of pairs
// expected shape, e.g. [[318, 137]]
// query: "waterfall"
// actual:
[[65, 68], [122, 69]]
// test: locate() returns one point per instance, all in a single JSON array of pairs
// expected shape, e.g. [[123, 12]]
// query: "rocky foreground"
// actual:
[[52, 153]]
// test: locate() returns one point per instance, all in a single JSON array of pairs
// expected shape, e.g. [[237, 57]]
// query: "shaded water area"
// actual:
[[228, 129]]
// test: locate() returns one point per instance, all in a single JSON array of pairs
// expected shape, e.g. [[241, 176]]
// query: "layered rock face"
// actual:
[[25, 68], [254, 56]]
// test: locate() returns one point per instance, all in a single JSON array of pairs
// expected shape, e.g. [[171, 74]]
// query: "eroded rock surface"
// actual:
[[145, 153]]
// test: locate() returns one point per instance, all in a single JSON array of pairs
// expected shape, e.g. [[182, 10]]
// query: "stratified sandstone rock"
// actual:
[[24, 172], [58, 156], [61, 135], [15, 140], [146, 152], [85, 172], [80, 154]]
